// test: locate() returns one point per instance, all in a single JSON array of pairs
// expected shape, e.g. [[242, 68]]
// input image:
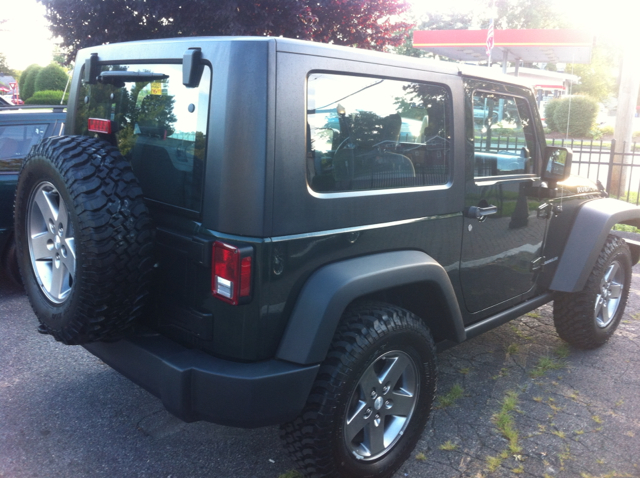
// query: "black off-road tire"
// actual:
[[370, 335], [577, 318], [107, 238]]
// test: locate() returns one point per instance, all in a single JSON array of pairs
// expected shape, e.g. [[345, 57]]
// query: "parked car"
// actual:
[[239, 226], [20, 129]]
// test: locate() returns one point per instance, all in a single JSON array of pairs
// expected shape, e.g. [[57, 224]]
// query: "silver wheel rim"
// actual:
[[51, 242], [608, 299], [381, 405]]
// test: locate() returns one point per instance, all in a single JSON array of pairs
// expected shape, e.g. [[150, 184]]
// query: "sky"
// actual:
[[27, 40]]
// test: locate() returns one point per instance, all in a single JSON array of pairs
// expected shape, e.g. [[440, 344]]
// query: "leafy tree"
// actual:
[[4, 67], [52, 77], [29, 87], [371, 24], [596, 78]]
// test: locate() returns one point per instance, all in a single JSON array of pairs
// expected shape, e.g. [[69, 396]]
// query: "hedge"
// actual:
[[47, 97], [579, 111], [29, 87], [549, 109], [51, 77]]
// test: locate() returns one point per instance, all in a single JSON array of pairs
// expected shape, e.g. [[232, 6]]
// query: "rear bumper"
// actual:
[[196, 386]]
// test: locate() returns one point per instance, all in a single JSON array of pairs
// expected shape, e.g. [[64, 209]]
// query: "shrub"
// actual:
[[29, 87], [579, 111], [52, 77], [549, 109], [47, 97], [607, 130], [23, 78]]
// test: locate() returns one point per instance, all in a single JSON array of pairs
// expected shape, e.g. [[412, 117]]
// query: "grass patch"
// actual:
[[513, 349], [563, 351], [465, 370], [597, 419], [535, 315], [544, 365], [291, 474], [505, 423], [451, 396], [421, 457], [448, 446], [559, 433]]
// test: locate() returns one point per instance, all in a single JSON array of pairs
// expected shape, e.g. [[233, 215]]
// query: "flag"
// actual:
[[490, 38]]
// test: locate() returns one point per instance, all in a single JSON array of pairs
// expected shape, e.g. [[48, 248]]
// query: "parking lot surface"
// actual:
[[513, 402]]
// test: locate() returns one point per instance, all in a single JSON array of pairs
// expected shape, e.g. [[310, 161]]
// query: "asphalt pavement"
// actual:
[[513, 402]]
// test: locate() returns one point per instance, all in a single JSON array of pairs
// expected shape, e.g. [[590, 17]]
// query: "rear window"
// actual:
[[159, 126]]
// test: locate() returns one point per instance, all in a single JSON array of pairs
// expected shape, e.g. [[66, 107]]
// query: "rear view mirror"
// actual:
[[557, 165]]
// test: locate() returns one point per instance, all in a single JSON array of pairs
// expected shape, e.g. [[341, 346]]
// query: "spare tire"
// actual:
[[84, 239]]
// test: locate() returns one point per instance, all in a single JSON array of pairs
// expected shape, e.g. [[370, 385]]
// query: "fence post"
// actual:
[[612, 155]]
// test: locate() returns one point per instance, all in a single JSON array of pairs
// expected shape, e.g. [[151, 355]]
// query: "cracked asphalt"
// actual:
[[576, 413]]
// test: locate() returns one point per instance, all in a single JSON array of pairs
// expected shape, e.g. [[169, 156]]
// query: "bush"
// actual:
[[23, 78], [549, 109], [607, 130], [52, 77], [579, 111], [47, 97], [29, 87]]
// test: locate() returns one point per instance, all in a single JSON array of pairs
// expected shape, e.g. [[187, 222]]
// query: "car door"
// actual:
[[503, 233]]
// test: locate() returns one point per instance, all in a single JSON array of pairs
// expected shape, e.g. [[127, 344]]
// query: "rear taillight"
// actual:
[[231, 276], [97, 125]]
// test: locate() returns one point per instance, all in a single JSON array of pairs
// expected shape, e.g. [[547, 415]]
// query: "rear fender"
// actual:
[[332, 288], [594, 221]]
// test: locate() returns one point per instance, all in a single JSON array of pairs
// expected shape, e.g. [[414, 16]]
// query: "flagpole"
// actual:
[[490, 33]]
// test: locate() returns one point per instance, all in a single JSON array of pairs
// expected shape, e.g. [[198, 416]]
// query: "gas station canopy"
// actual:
[[531, 46]]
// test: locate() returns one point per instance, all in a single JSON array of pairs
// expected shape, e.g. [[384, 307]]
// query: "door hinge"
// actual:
[[537, 264]]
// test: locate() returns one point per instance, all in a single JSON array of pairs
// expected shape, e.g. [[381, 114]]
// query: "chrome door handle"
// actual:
[[481, 213]]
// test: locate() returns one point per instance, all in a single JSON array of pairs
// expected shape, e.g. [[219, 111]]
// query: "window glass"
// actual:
[[503, 135], [368, 133], [15, 143], [159, 125]]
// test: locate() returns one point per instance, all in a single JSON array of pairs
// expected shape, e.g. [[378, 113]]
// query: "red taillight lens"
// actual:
[[97, 125], [231, 275]]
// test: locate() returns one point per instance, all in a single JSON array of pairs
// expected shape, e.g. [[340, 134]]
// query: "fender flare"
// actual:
[[592, 224], [329, 290]]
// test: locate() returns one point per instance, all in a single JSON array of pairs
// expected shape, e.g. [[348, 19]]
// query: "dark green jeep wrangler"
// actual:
[[266, 231]]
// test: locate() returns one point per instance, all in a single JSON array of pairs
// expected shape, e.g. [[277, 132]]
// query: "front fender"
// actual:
[[332, 288], [593, 222]]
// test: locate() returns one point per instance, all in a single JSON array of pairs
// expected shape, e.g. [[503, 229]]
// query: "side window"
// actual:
[[368, 133], [504, 140], [15, 143], [159, 125]]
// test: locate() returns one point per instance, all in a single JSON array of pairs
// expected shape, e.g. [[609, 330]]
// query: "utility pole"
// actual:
[[627, 101]]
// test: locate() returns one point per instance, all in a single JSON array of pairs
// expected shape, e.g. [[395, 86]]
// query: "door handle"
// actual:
[[481, 213]]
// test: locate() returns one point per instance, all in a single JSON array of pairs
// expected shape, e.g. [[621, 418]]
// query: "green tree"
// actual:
[[51, 77], [4, 67], [29, 87], [596, 78], [370, 24]]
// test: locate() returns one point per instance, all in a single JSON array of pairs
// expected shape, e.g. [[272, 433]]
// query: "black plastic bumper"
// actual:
[[196, 386]]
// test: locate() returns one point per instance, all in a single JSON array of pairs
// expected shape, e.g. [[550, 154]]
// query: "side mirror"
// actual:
[[557, 165]]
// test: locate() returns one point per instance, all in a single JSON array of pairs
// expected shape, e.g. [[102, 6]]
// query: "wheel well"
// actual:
[[426, 301]]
